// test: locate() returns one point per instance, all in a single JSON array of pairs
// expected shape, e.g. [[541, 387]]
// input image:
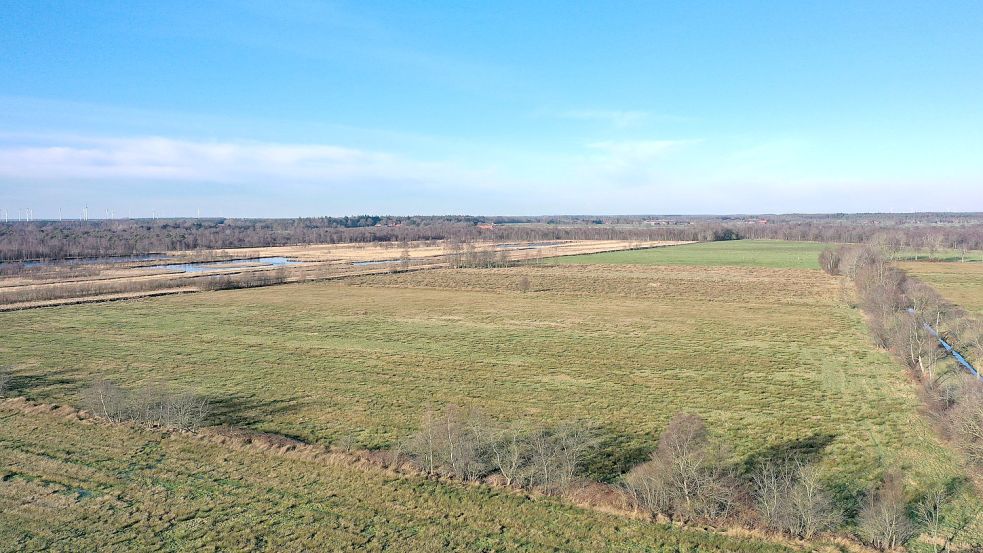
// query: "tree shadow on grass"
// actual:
[[847, 491], [41, 385], [615, 453], [806, 450], [246, 411]]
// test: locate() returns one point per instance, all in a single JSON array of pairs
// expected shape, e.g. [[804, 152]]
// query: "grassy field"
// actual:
[[739, 253], [67, 486], [960, 283], [773, 358]]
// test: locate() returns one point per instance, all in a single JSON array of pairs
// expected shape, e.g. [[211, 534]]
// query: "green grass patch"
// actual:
[[732, 253]]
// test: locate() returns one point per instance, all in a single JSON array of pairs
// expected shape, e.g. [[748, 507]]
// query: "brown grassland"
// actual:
[[61, 283]]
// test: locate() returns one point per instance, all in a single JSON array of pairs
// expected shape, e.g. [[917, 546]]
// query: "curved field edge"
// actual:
[[71, 486]]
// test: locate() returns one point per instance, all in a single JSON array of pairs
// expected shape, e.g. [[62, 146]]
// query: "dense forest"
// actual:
[[27, 240]]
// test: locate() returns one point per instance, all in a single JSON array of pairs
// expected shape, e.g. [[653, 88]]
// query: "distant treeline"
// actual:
[[68, 239]]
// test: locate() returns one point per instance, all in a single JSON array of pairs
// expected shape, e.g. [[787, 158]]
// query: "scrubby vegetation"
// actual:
[[904, 316], [156, 406]]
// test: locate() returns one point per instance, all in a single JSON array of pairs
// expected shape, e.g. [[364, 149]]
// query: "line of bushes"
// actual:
[[690, 477], [898, 309], [152, 405]]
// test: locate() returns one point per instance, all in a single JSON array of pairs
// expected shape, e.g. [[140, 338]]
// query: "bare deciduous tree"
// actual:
[[404, 258], [107, 400], [966, 421], [772, 484], [811, 507], [152, 405], [510, 453], [829, 260], [883, 521], [930, 513], [423, 445], [555, 454], [650, 487], [463, 443], [686, 477], [455, 441], [524, 284]]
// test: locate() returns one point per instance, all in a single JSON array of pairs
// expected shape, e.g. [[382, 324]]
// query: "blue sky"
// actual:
[[294, 108]]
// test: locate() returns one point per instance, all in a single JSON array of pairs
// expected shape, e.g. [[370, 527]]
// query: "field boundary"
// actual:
[[602, 498]]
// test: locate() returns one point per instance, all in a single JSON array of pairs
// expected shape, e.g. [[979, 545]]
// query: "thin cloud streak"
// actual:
[[166, 159], [616, 119]]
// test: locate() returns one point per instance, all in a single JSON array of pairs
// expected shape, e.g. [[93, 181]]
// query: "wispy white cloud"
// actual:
[[630, 162], [637, 151], [619, 119], [167, 159]]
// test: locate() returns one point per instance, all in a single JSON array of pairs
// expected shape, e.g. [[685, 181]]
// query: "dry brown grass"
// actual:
[[391, 250], [56, 286]]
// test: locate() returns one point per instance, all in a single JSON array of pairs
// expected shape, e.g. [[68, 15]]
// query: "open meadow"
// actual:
[[773, 358], [771, 354], [61, 282]]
